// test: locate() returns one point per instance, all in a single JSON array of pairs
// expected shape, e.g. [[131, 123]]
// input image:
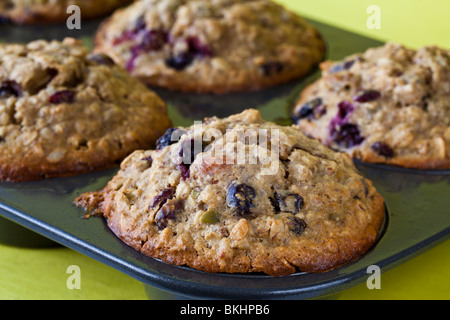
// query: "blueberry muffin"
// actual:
[[64, 111], [240, 195], [388, 105], [53, 11], [211, 46]]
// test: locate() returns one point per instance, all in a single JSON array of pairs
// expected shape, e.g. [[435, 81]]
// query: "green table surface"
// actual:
[[44, 273]]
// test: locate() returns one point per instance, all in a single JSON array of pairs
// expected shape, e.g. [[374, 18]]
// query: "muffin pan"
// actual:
[[417, 216]]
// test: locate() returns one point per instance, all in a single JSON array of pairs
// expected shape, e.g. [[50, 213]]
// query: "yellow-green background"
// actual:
[[41, 273]]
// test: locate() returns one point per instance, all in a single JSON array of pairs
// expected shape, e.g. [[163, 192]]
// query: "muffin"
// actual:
[[388, 105], [64, 111], [217, 46], [241, 195]]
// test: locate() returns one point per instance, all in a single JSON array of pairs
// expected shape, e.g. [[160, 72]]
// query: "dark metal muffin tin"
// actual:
[[417, 217]]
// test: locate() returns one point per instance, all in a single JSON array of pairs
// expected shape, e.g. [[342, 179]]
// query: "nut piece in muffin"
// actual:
[[64, 111], [211, 46]]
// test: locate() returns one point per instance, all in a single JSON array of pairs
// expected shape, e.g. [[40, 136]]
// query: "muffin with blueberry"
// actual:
[[64, 111], [239, 195], [388, 105], [211, 46]]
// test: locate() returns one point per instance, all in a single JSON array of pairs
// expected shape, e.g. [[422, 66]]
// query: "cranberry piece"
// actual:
[[367, 96], [342, 132], [198, 48], [166, 213], [169, 138], [185, 171], [153, 40], [346, 65], [290, 202], [347, 136], [102, 59], [150, 40], [135, 52], [308, 110], [10, 88], [128, 35], [162, 197], [271, 68], [345, 109], [240, 197], [63, 96], [383, 149], [297, 225], [149, 159]]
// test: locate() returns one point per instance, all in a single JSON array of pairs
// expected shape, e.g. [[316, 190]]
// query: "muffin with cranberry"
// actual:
[[388, 105], [211, 46], [239, 195], [64, 111]]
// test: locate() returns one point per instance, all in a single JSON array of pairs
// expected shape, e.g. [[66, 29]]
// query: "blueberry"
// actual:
[[297, 225], [367, 96], [180, 61], [10, 88], [102, 59], [169, 138], [308, 110], [63, 96], [347, 135], [383, 149], [167, 212], [240, 197], [272, 68], [290, 202], [139, 25]]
